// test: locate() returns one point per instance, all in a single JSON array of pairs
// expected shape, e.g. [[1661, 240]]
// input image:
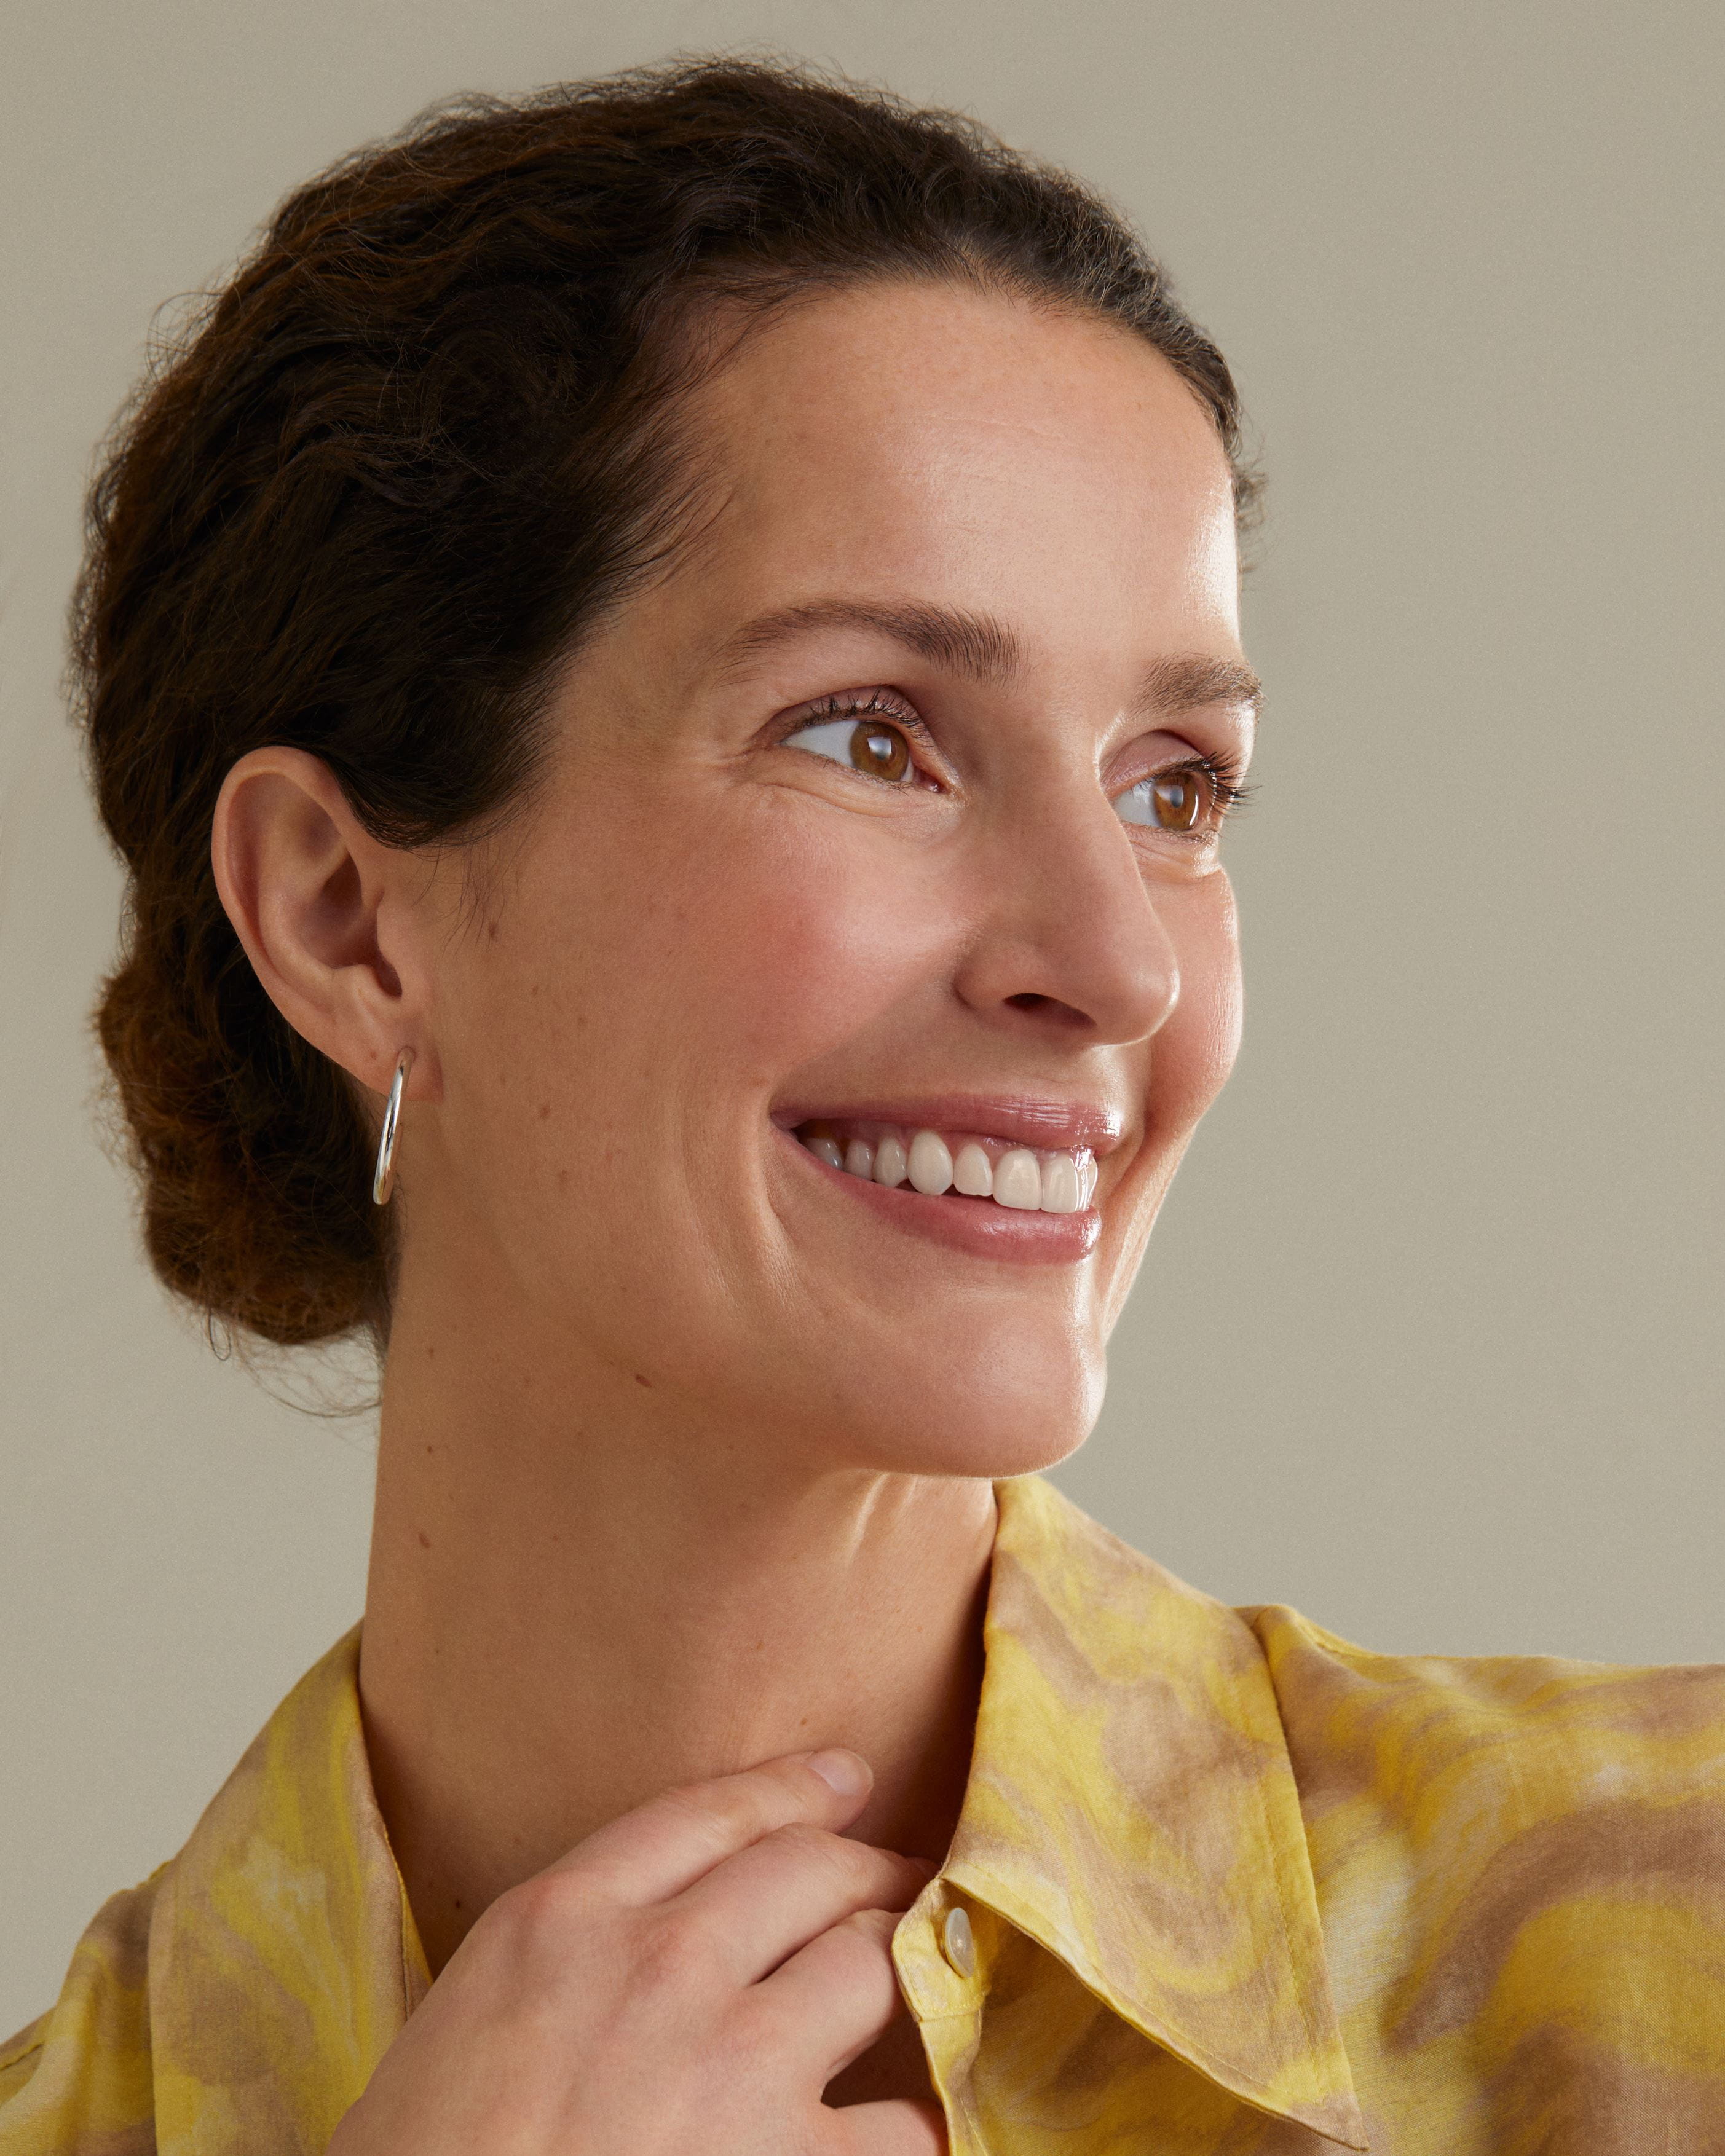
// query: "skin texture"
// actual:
[[671, 1414]]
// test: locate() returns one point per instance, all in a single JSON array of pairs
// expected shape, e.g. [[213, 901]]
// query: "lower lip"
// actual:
[[977, 1226]]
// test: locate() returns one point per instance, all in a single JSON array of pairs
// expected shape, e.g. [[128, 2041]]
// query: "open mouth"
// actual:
[[956, 1163], [1006, 1176], [970, 1192]]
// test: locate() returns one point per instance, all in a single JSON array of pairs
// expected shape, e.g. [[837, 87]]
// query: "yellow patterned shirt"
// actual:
[[1234, 1888]]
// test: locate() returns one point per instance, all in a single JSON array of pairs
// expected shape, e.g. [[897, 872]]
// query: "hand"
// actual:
[[689, 1977]]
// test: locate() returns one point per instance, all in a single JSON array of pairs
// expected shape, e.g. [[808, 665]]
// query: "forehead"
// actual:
[[972, 449]]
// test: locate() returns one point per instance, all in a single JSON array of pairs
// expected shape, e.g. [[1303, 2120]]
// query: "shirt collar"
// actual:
[[284, 1960], [1130, 1809]]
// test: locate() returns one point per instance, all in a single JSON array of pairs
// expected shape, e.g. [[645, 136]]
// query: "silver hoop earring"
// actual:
[[383, 1175]]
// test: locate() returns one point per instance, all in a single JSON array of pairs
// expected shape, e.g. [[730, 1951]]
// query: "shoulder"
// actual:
[[1520, 1867], [1563, 1733], [81, 2077]]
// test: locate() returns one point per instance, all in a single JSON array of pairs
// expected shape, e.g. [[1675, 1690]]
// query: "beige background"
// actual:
[[1428, 1342]]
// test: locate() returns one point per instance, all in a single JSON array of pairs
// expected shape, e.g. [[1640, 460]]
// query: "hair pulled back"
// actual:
[[416, 444]]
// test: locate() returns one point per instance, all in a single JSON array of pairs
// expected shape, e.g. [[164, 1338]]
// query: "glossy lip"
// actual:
[[977, 1226], [1017, 1119]]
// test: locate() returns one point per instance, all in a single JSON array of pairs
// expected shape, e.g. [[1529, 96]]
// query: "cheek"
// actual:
[[1190, 1059], [659, 961], [792, 934], [1194, 1052]]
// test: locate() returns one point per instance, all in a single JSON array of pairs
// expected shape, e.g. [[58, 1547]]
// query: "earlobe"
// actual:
[[323, 911]]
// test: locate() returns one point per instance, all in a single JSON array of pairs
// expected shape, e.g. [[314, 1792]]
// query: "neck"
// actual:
[[581, 1595]]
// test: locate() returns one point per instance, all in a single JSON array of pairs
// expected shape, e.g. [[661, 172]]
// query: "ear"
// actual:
[[333, 921]]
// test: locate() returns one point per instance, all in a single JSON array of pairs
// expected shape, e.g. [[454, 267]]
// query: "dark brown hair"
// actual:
[[412, 449]]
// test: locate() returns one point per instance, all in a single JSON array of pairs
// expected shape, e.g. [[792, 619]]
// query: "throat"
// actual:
[[526, 1678]]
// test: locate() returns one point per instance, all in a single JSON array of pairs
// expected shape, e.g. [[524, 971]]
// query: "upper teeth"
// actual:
[[976, 1168]]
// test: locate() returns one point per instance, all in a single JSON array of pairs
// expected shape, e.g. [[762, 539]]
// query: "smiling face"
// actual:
[[887, 818]]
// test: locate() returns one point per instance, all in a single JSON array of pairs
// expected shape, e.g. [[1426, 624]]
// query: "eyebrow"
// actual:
[[982, 649], [1181, 684], [975, 645]]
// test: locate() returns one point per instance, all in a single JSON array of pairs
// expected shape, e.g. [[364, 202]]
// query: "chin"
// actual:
[[1014, 1407]]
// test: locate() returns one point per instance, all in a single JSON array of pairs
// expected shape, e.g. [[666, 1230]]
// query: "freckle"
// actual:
[[544, 1110], [641, 1380], [563, 1179], [425, 1539], [492, 932], [431, 1448]]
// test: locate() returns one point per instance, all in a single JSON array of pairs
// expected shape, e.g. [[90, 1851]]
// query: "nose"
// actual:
[[1069, 934]]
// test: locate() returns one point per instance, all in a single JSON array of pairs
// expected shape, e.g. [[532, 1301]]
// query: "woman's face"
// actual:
[[892, 809]]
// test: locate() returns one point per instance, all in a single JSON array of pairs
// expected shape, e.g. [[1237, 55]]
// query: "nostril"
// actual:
[[1049, 1007]]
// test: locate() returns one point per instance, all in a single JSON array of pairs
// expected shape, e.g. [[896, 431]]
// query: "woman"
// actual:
[[665, 664]]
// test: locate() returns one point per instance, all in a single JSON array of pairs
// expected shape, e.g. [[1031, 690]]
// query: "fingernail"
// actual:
[[844, 1773]]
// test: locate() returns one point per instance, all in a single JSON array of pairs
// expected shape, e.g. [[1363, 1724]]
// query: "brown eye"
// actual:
[[880, 751], [1178, 800], [1172, 801], [867, 742]]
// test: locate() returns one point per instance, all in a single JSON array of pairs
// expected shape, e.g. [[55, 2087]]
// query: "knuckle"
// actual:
[[851, 1865], [692, 1803], [799, 1837], [766, 2021], [758, 2036], [542, 1912], [716, 1812], [761, 1797], [676, 1952], [872, 1929]]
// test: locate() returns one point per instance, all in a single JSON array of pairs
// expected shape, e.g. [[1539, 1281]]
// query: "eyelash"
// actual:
[[873, 705], [1230, 787]]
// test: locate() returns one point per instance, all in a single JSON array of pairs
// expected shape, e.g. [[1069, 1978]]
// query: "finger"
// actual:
[[664, 1846], [773, 1898], [899, 2128], [835, 1997]]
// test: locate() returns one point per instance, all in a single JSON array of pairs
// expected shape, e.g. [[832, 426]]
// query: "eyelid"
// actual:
[[1226, 768], [1226, 777], [875, 702]]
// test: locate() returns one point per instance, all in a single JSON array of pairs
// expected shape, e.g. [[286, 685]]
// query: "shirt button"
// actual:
[[957, 1943]]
